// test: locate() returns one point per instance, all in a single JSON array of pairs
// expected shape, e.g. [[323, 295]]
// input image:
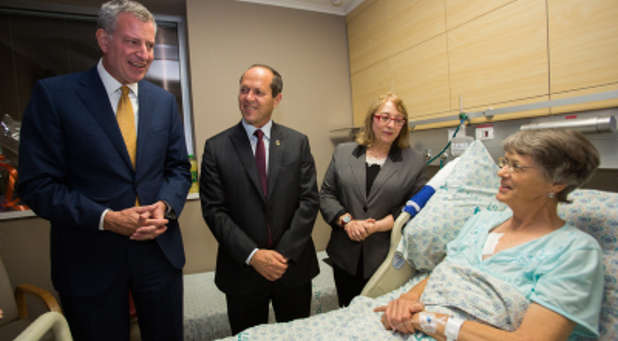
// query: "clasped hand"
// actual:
[[401, 314], [358, 230], [138, 222], [269, 263]]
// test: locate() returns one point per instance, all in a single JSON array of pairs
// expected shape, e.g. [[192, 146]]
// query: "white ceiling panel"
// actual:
[[338, 7]]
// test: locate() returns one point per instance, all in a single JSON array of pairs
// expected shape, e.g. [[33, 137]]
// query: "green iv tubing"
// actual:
[[462, 118]]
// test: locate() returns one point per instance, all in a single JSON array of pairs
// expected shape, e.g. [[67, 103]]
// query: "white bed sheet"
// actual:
[[356, 322], [205, 312]]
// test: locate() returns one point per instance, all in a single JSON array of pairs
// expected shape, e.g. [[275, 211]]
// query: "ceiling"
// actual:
[[90, 7], [339, 7], [178, 7]]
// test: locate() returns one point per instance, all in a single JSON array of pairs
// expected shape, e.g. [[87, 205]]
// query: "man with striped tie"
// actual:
[[259, 198]]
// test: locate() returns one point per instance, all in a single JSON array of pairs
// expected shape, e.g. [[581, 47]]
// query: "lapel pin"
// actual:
[[277, 143]]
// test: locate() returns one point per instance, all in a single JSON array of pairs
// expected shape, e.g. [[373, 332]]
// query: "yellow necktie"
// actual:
[[126, 122]]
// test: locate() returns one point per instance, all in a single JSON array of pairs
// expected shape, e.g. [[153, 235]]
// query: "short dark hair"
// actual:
[[276, 85], [566, 156]]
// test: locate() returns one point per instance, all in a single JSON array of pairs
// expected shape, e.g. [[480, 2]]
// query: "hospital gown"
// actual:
[[561, 271]]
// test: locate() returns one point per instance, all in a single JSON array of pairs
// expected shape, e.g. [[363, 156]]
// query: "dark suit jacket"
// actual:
[[344, 190], [237, 213], [73, 164]]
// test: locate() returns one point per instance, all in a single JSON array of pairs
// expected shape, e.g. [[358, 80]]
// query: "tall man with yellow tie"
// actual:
[[103, 158]]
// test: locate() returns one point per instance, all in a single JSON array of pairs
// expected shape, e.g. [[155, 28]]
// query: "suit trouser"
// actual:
[[251, 309], [157, 292], [349, 286]]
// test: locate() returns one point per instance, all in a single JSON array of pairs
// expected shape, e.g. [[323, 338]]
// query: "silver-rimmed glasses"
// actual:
[[511, 166]]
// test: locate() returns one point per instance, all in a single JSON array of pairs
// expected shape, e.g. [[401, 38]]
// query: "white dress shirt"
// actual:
[[250, 130], [114, 92]]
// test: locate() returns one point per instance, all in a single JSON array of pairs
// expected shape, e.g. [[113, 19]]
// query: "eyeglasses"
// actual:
[[511, 166], [384, 119]]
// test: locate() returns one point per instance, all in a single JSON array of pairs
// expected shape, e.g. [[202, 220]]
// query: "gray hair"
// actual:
[[108, 13], [276, 85], [566, 156]]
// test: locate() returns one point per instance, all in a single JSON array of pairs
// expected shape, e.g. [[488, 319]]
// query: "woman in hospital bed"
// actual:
[[518, 274], [555, 268]]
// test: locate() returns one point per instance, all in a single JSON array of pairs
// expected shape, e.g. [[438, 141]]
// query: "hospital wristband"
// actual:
[[451, 331]]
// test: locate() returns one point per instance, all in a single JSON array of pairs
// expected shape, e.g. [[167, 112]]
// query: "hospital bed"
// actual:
[[417, 245], [205, 311]]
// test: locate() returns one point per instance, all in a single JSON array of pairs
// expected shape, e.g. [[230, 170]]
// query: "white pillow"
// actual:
[[596, 212], [471, 185]]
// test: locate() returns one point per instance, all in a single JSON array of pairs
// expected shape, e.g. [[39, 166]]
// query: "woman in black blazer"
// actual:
[[366, 185]]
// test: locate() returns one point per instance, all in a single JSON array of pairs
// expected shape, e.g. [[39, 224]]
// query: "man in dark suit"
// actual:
[[103, 158], [259, 198]]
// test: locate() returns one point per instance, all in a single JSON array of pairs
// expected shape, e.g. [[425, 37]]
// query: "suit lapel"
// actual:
[[359, 171], [388, 170], [275, 156], [92, 93], [241, 144], [145, 113]]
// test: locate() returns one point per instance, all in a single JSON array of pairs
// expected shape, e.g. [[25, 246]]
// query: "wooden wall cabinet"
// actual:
[[583, 43], [420, 77], [459, 12], [500, 56], [583, 49], [380, 35], [440, 54]]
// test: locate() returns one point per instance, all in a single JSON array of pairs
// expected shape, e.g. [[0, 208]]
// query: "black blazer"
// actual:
[[344, 190], [237, 213], [73, 164]]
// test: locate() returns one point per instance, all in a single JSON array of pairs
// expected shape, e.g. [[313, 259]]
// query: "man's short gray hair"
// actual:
[[108, 13]]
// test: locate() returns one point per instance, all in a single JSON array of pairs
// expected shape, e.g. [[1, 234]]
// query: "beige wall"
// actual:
[[307, 48], [225, 37]]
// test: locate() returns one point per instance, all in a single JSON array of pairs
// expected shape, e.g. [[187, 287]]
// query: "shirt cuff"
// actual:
[[248, 261], [102, 219]]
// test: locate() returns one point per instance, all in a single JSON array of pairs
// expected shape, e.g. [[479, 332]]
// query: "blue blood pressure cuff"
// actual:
[[418, 200]]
